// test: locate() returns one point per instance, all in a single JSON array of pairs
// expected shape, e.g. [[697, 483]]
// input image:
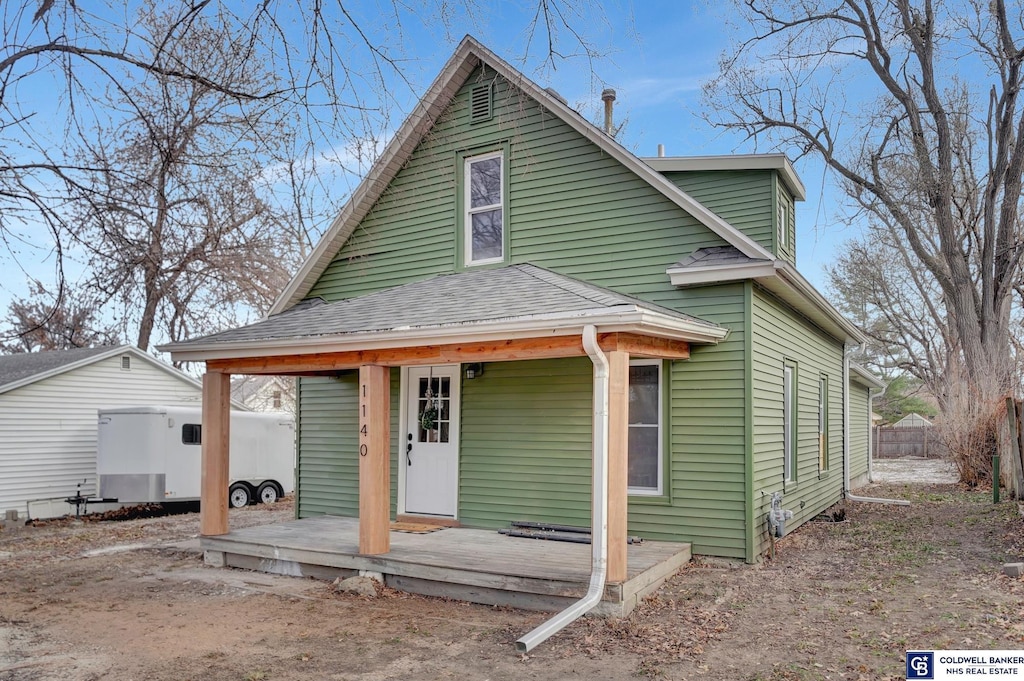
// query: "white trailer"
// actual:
[[152, 454]]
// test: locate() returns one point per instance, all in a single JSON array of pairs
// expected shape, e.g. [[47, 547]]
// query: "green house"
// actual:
[[498, 250]]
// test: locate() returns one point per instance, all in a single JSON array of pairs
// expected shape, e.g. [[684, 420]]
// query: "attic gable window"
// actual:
[[480, 104], [783, 223], [484, 209]]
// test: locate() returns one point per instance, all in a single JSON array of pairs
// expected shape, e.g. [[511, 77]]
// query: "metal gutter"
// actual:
[[625, 318], [599, 514], [847, 350]]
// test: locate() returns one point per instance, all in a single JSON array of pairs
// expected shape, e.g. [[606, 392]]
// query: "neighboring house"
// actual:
[[864, 387], [514, 266], [265, 393], [48, 407], [913, 421]]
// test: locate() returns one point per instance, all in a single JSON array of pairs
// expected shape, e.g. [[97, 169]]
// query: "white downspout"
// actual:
[[599, 514], [848, 350]]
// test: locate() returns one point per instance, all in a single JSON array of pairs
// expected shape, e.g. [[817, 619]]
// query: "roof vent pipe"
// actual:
[[608, 97]]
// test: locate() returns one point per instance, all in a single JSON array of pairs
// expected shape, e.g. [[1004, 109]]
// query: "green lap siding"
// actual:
[[571, 208], [742, 197], [327, 479], [860, 432], [781, 335], [706, 436], [525, 452]]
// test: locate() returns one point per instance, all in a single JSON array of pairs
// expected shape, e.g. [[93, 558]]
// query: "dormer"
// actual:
[[755, 193]]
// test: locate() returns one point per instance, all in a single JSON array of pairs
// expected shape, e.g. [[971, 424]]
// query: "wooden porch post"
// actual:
[[213, 504], [374, 459], [618, 463]]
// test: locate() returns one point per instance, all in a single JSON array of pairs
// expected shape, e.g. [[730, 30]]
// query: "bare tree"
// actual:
[[340, 73], [176, 231], [43, 322], [878, 283], [878, 89]]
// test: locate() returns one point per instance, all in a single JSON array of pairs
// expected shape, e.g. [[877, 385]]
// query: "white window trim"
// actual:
[[468, 211], [823, 464], [783, 218], [660, 490], [788, 422]]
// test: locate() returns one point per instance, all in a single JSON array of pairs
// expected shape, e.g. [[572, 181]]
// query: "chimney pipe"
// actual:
[[608, 97], [661, 151]]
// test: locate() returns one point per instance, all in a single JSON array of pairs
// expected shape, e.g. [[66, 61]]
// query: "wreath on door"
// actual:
[[431, 410]]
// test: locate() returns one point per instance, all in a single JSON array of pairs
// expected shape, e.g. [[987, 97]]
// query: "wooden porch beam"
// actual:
[[493, 351], [648, 347], [618, 463], [216, 445], [374, 459]]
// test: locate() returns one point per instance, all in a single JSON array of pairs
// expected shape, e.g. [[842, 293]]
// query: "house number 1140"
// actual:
[[363, 433]]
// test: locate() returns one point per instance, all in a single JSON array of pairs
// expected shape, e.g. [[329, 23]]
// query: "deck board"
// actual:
[[483, 559]]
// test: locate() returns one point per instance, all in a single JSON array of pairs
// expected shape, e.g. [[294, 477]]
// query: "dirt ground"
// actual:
[[840, 600]]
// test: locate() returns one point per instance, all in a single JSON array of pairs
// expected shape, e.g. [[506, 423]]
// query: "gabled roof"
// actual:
[[518, 301], [721, 264], [466, 58], [24, 369]]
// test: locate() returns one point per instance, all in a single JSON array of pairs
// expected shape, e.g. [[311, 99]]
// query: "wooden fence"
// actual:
[[892, 443]]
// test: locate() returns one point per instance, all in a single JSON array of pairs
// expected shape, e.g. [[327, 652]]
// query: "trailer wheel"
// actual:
[[267, 493], [239, 496]]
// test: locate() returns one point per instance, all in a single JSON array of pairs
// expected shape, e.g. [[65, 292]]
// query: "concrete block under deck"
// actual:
[[480, 566]]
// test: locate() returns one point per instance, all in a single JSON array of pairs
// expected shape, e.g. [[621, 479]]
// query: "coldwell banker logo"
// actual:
[[920, 664]]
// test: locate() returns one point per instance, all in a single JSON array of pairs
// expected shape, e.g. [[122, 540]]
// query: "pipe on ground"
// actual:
[[599, 517]]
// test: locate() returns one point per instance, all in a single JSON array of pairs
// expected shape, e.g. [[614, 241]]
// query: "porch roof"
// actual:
[[518, 301]]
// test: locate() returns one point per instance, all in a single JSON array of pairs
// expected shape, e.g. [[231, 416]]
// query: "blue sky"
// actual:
[[658, 55]]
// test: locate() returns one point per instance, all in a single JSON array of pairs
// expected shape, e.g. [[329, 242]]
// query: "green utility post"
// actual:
[[995, 478]]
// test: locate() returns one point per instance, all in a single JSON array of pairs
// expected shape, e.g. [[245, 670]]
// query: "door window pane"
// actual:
[[433, 409]]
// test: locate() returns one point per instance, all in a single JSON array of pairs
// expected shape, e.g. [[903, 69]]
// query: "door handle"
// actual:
[[408, 449]]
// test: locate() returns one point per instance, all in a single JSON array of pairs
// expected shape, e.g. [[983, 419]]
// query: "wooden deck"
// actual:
[[480, 566]]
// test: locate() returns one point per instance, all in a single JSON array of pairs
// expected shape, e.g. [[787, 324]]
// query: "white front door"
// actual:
[[430, 443]]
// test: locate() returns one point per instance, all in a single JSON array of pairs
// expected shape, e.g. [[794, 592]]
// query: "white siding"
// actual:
[[48, 428]]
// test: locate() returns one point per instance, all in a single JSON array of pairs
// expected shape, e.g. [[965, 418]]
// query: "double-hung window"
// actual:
[[645, 437], [822, 423], [484, 204], [783, 219], [789, 421]]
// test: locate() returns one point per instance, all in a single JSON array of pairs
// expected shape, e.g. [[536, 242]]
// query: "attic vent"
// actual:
[[126, 362], [480, 104]]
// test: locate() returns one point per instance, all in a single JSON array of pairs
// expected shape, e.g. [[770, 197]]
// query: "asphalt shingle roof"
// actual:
[[15, 368], [714, 256], [483, 295]]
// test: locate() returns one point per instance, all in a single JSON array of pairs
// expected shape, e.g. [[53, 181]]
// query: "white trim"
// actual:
[[403, 441], [660, 489], [437, 97], [779, 162], [790, 415], [454, 431], [610, 319], [468, 211], [866, 378], [711, 274], [783, 219], [781, 278]]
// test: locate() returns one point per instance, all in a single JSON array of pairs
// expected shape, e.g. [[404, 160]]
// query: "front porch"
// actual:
[[479, 566]]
